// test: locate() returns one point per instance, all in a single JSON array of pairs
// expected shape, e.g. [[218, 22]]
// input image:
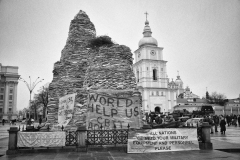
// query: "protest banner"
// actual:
[[162, 140], [65, 109], [107, 111]]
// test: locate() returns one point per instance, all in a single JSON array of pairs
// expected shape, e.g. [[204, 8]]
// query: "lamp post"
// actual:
[[30, 87]]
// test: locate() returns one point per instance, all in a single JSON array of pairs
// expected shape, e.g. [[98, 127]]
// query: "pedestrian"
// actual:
[[234, 121], [147, 117], [29, 122], [210, 122], [239, 120], [40, 120], [228, 118], [223, 125], [32, 122], [216, 122], [159, 119], [3, 121]]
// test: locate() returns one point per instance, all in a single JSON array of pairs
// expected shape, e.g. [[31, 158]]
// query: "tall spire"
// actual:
[[146, 15], [147, 35], [147, 30], [178, 77]]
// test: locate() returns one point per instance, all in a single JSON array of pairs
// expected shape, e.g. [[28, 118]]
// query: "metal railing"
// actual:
[[107, 137], [71, 138]]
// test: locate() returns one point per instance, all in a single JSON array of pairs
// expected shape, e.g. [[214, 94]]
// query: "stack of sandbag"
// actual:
[[69, 72], [110, 68]]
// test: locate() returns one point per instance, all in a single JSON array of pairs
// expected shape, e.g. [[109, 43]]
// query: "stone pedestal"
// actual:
[[82, 136], [206, 142], [12, 142]]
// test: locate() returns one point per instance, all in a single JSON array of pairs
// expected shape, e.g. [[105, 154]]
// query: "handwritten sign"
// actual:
[[107, 111], [162, 140], [65, 109]]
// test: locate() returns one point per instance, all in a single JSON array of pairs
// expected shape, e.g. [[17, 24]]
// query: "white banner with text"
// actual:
[[65, 109], [162, 140]]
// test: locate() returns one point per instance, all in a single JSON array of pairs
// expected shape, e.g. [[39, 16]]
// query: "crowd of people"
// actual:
[[222, 121], [214, 121], [157, 118], [29, 121]]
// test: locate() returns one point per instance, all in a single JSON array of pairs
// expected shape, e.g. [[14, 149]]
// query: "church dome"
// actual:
[[148, 41], [179, 82], [147, 36]]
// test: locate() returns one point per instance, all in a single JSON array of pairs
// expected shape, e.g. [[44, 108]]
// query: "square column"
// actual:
[[15, 98], [6, 96]]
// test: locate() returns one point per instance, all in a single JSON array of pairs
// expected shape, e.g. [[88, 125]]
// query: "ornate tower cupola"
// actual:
[[147, 36], [179, 82]]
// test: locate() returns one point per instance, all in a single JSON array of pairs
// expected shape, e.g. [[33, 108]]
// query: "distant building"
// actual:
[[189, 101], [187, 94], [8, 92], [232, 106]]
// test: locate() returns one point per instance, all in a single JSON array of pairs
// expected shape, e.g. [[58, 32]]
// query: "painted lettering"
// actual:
[[118, 103], [104, 112], [136, 113], [102, 100], [110, 101], [129, 102], [114, 112], [92, 97], [98, 109], [129, 116], [98, 120]]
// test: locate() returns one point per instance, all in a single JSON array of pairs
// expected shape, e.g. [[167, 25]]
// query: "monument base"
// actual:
[[205, 146]]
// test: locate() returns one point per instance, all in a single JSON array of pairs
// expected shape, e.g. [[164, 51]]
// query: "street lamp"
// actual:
[[30, 87]]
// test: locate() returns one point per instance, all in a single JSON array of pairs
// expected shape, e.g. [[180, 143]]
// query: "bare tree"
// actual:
[[42, 98], [34, 107], [217, 98]]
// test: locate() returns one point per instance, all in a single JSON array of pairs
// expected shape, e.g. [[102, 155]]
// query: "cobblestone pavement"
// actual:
[[220, 142]]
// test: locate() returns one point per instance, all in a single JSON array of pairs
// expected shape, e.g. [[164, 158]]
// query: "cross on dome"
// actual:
[[146, 15], [147, 35]]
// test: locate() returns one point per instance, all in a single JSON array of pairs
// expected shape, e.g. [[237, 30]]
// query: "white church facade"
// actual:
[[158, 93]]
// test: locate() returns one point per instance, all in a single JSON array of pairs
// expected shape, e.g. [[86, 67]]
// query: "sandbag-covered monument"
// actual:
[[98, 73]]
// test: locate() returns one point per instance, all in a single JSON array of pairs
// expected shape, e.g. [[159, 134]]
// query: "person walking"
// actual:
[[228, 118], [40, 120], [216, 122], [223, 125], [3, 121], [239, 120]]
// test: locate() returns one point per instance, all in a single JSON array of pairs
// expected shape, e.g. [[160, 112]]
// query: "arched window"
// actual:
[[157, 109], [154, 74]]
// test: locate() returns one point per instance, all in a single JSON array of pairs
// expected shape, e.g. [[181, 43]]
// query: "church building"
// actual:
[[158, 93]]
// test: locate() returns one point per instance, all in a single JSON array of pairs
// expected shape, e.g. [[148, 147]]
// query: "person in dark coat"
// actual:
[[159, 119], [228, 118], [238, 120], [216, 122], [40, 120], [3, 122], [223, 125]]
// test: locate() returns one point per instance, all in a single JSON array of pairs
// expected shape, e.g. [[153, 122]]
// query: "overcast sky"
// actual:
[[201, 38]]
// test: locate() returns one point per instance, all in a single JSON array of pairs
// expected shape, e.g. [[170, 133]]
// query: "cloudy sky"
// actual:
[[201, 38]]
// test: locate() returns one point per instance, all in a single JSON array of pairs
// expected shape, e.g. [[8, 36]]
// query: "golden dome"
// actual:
[[147, 36]]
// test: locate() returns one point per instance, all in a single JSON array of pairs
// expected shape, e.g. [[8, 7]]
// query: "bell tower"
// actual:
[[151, 72]]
